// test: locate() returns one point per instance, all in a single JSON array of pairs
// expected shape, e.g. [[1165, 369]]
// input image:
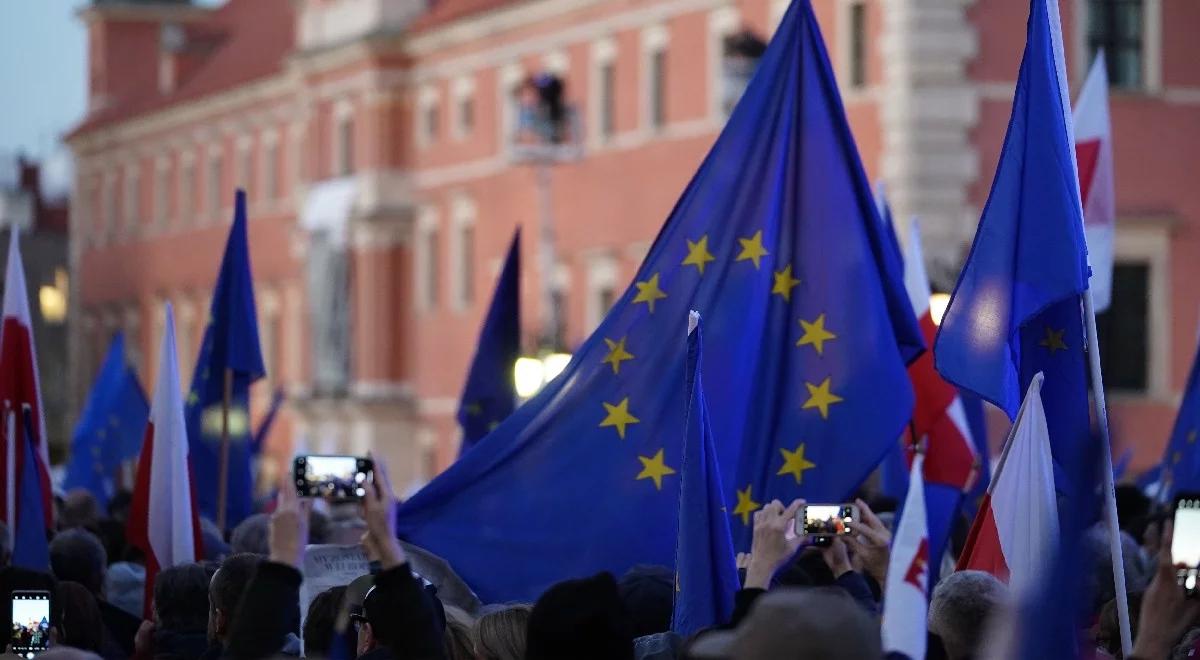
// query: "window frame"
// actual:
[[602, 77], [1147, 240], [655, 41], [464, 216]]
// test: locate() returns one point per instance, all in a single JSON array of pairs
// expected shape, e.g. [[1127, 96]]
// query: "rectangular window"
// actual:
[[466, 265], [213, 197], [858, 45], [466, 115], [658, 89], [1116, 26], [608, 100], [740, 54], [187, 183], [1124, 327], [432, 267], [430, 122], [161, 179], [109, 202], [245, 167], [345, 164], [132, 208], [271, 171]]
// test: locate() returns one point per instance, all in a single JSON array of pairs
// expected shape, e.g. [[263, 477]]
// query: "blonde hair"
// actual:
[[500, 635]]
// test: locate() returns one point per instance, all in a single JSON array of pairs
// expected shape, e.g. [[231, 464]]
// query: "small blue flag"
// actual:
[[110, 427], [489, 395], [1016, 308], [30, 549], [1179, 470], [230, 342], [264, 427], [977, 422], [706, 575], [776, 241]]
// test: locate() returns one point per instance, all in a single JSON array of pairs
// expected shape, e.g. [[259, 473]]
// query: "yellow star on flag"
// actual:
[[473, 409], [698, 254], [752, 249], [492, 426], [815, 334], [745, 505], [648, 292], [1053, 340], [619, 416], [821, 398], [654, 468], [193, 398], [794, 463], [616, 354], [784, 283]]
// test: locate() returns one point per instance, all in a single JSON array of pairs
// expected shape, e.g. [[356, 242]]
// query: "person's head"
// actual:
[[79, 509], [961, 606], [181, 598], [648, 592], [76, 555], [250, 536], [385, 618], [581, 619], [118, 506], [79, 622], [1132, 508], [320, 621], [5, 545], [458, 641], [789, 622], [1108, 631], [1098, 558], [225, 590], [500, 634]]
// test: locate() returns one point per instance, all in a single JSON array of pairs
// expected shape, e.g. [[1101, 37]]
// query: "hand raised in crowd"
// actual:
[[288, 531], [870, 542], [1166, 610], [836, 557], [774, 542], [379, 510]]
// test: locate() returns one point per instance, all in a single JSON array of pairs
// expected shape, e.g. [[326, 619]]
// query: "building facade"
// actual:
[[374, 138]]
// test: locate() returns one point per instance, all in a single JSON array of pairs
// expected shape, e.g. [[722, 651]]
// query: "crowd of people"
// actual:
[[797, 600]]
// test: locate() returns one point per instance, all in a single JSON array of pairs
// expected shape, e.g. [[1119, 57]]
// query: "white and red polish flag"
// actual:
[[1093, 153], [19, 386], [163, 522], [939, 416], [905, 603], [1017, 524]]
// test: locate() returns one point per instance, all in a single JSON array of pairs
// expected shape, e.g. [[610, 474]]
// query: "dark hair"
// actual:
[[580, 619], [319, 636], [79, 622], [181, 598], [648, 592], [76, 555], [231, 581], [78, 509], [250, 536], [501, 634]]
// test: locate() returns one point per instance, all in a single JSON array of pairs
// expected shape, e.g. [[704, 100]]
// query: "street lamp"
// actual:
[[531, 374], [938, 303]]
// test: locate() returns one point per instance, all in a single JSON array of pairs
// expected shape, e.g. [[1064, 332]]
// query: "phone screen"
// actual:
[[30, 622], [334, 477], [1185, 544], [828, 519]]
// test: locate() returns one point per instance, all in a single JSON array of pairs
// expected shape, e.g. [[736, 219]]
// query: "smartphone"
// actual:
[[821, 522], [30, 622], [338, 478], [1185, 544]]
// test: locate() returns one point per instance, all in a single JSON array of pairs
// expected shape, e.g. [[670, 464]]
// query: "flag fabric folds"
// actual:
[[1097, 188], [777, 243], [110, 427], [163, 519], [705, 571], [489, 395], [230, 342], [905, 595], [19, 386], [30, 548], [1016, 308], [268, 420], [1179, 470], [1016, 528]]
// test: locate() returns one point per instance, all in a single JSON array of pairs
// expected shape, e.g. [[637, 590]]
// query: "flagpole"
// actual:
[[1110, 503], [223, 479]]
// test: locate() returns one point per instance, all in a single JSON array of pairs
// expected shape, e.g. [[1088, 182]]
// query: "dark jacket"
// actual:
[[173, 645], [122, 626], [403, 617], [266, 613]]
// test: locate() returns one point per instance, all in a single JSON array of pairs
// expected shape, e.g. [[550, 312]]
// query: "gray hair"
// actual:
[[77, 555], [251, 535], [962, 604]]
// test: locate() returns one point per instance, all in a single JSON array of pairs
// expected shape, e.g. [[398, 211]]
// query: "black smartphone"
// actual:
[[30, 622], [821, 522], [337, 478], [1185, 543]]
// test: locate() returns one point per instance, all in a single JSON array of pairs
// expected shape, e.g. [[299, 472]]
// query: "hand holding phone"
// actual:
[[337, 478], [30, 622], [820, 523], [1185, 543]]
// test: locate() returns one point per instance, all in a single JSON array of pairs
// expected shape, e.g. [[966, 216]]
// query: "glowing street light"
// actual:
[[938, 303], [531, 374]]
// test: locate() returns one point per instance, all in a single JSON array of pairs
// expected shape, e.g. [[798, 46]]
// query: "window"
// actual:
[[740, 53], [245, 165], [601, 270], [108, 203], [464, 107], [132, 208], [161, 181], [431, 122], [427, 263], [658, 89], [345, 142], [187, 183], [608, 100], [1123, 329], [463, 213], [427, 116], [857, 69], [270, 170], [1116, 26], [213, 196]]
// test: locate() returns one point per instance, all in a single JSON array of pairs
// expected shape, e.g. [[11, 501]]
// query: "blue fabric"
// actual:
[[264, 427], [893, 472], [977, 422], [706, 575], [560, 489], [230, 342], [1181, 458], [1016, 308], [30, 549], [110, 428], [489, 395]]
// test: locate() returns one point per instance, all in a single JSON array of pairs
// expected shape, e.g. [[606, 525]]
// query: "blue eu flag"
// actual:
[[706, 575], [1179, 470], [489, 396], [230, 343], [30, 548], [110, 427], [1016, 308], [776, 241]]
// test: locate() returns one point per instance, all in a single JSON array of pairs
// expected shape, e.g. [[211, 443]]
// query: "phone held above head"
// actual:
[[820, 523], [335, 478]]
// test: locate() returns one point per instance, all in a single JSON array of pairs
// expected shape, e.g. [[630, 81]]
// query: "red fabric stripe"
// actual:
[[1087, 154], [18, 387], [983, 551], [949, 459], [138, 527]]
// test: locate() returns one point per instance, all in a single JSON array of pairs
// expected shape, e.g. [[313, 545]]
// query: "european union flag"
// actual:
[[776, 241], [110, 427], [230, 343], [706, 574], [30, 549], [1016, 308], [489, 396], [1179, 470]]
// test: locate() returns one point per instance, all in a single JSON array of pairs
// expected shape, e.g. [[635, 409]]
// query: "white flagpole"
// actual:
[[1110, 499]]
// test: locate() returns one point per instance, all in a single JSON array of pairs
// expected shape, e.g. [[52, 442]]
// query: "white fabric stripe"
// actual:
[[16, 306], [916, 280]]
